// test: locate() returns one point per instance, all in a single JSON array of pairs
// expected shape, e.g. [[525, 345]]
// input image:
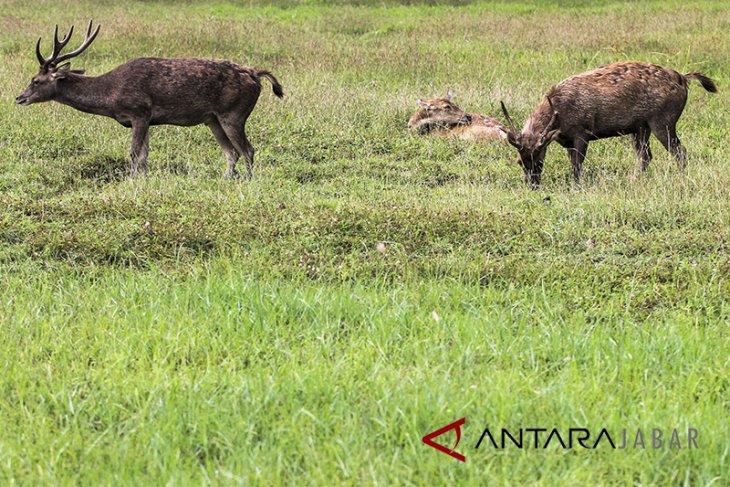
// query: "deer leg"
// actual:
[[577, 153], [667, 135], [237, 135], [229, 150], [640, 141], [140, 147]]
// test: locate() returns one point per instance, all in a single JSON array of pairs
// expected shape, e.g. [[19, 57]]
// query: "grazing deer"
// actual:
[[629, 97], [444, 117], [153, 91]]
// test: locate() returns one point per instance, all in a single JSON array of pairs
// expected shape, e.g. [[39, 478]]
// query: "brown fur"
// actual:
[[629, 97], [441, 116], [152, 91]]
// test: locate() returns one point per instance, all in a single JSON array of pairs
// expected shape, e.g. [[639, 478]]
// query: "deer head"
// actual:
[[531, 143], [438, 113], [44, 85]]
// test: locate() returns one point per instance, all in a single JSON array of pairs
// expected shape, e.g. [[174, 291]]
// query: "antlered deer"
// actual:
[[629, 97], [154, 91], [443, 116]]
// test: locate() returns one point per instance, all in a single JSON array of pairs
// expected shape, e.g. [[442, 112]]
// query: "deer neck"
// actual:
[[85, 93], [538, 121]]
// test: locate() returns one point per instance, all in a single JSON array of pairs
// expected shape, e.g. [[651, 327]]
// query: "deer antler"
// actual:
[[512, 133], [509, 119], [87, 42], [58, 45], [549, 126], [38, 54]]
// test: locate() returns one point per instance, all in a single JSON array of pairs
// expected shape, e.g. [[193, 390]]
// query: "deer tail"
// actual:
[[276, 86], [706, 82]]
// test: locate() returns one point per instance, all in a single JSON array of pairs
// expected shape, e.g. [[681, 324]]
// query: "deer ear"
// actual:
[[449, 94], [513, 140], [547, 137], [62, 71], [550, 136]]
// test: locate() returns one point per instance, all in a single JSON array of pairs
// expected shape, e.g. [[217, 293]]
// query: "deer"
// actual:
[[623, 98], [156, 91], [442, 116]]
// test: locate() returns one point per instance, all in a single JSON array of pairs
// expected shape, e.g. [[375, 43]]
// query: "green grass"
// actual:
[[187, 329]]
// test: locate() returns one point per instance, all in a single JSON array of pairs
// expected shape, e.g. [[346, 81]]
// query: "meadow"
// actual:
[[186, 329]]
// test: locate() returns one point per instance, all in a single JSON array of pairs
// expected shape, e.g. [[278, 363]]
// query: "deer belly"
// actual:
[[183, 120], [180, 115], [615, 130]]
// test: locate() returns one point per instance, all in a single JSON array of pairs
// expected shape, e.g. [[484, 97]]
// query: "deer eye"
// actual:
[[35, 81]]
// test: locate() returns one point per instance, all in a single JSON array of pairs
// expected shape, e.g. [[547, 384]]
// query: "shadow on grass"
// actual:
[[105, 169], [177, 167]]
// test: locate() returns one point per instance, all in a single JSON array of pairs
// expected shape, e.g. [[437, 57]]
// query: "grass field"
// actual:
[[185, 329]]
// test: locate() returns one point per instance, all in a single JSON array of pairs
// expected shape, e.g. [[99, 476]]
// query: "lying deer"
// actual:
[[444, 117], [153, 91], [622, 98]]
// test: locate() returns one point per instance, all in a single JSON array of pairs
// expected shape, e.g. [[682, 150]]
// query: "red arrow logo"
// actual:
[[428, 439]]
